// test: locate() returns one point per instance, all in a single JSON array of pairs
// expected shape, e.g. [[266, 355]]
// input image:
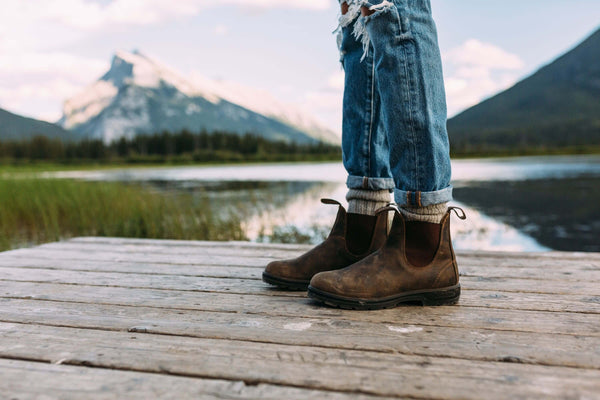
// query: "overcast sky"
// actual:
[[51, 49]]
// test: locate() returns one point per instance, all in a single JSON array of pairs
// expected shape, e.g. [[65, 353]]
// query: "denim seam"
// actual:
[[409, 85], [366, 148], [372, 114]]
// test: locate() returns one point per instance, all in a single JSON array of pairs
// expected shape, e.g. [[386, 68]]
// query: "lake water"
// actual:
[[516, 204]]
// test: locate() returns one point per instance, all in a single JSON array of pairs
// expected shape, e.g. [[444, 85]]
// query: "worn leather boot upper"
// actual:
[[386, 277], [332, 254]]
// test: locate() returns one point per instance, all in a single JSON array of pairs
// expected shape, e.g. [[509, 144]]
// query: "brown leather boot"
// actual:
[[387, 277], [352, 238]]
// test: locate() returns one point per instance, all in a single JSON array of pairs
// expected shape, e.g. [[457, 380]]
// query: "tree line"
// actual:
[[569, 137], [184, 146]]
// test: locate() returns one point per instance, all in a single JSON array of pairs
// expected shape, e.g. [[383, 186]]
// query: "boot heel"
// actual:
[[442, 297]]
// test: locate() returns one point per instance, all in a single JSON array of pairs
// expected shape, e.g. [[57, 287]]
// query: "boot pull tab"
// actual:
[[331, 201], [388, 207], [462, 215]]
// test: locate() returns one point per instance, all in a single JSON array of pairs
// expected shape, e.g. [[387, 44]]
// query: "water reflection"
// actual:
[[519, 204], [563, 214], [292, 212], [506, 169]]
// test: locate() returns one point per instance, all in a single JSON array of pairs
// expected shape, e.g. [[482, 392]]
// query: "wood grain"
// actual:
[[116, 318]]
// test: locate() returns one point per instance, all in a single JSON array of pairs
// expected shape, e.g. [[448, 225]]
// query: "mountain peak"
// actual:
[[135, 68], [139, 94]]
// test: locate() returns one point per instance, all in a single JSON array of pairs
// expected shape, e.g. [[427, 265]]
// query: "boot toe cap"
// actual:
[[286, 269], [278, 268], [326, 282]]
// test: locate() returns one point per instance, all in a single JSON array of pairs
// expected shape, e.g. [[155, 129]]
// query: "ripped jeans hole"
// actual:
[[354, 13]]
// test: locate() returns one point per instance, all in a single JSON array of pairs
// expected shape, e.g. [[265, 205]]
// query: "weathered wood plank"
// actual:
[[237, 285], [218, 249], [475, 336], [257, 249], [468, 258], [27, 380], [377, 374], [539, 267], [67, 262], [527, 325], [388, 334], [212, 271], [233, 244], [296, 247], [548, 255], [116, 257], [286, 305]]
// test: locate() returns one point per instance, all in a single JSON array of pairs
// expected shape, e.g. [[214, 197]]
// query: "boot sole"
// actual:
[[430, 297], [284, 283]]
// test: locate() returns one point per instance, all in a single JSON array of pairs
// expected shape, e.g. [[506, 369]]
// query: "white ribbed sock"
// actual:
[[367, 201], [433, 213]]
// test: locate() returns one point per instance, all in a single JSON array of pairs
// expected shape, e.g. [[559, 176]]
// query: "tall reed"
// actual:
[[34, 211]]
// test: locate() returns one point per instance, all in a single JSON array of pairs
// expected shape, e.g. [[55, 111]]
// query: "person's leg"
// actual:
[[406, 55], [403, 37], [417, 262], [358, 232], [364, 141]]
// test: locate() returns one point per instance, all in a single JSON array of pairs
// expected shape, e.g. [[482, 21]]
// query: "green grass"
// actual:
[[34, 211]]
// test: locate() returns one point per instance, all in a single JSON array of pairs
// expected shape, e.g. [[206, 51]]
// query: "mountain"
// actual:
[[16, 127], [556, 107], [139, 95]]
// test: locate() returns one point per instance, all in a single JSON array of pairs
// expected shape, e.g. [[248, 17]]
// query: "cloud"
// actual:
[[39, 82], [485, 55], [221, 30], [89, 15], [326, 102], [336, 80], [52, 63], [49, 96], [476, 70], [30, 30]]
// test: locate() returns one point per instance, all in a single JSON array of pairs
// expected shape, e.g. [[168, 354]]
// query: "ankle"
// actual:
[[433, 213], [366, 202]]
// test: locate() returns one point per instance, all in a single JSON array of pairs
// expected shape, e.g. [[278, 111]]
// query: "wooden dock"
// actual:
[[107, 318]]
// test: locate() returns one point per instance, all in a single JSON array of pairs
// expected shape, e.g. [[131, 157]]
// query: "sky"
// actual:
[[52, 49]]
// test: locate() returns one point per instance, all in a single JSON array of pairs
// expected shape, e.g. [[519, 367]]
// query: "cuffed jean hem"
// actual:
[[422, 199], [366, 183]]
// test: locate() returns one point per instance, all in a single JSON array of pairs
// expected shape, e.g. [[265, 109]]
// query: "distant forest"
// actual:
[[181, 147], [569, 137]]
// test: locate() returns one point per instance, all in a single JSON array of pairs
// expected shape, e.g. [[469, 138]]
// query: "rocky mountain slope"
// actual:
[[556, 107], [139, 95]]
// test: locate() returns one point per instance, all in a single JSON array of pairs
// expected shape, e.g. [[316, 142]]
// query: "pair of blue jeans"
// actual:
[[394, 133]]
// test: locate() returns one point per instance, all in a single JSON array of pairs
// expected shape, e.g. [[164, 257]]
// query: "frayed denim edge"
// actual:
[[360, 29]]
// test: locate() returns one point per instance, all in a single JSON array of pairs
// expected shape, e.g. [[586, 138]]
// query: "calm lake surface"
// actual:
[[517, 204]]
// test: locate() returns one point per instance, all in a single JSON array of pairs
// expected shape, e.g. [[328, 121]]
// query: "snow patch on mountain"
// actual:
[[88, 104], [263, 102], [108, 108]]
